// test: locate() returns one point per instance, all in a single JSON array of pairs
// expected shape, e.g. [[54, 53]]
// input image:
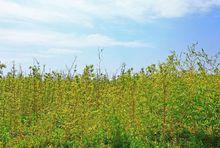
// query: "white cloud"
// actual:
[[62, 40], [84, 12], [24, 45], [38, 11]]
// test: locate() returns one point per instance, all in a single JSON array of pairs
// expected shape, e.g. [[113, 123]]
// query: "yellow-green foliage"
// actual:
[[174, 103]]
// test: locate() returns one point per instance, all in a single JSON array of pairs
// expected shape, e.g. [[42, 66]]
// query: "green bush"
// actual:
[[173, 104]]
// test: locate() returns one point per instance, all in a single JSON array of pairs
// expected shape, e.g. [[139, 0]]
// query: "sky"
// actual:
[[135, 32]]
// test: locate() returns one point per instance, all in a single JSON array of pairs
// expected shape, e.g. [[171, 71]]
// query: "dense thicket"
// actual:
[[174, 103]]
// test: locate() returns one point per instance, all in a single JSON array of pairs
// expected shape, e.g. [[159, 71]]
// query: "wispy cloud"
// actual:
[[25, 45], [38, 12], [62, 40], [84, 12]]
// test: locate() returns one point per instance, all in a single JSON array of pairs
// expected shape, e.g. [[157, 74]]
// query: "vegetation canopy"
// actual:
[[175, 103]]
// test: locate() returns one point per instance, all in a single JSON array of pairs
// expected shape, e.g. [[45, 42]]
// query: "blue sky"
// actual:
[[137, 32]]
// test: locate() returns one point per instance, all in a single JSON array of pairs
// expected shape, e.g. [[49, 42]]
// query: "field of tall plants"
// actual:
[[175, 103]]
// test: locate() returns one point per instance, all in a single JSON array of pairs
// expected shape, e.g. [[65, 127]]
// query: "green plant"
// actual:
[[171, 104]]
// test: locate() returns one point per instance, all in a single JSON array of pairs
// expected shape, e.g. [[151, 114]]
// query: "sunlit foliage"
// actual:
[[173, 103]]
